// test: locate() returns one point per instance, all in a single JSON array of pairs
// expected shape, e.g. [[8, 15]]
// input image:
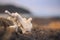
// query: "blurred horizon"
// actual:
[[39, 8]]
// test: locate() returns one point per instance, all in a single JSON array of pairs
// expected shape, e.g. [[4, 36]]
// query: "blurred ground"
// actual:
[[43, 29]]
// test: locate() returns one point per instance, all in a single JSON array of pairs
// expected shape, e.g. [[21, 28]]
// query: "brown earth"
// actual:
[[43, 29]]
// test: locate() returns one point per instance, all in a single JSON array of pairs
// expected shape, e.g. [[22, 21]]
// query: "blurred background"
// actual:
[[33, 8], [42, 11]]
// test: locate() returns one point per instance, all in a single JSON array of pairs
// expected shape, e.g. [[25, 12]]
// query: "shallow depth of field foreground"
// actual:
[[43, 29]]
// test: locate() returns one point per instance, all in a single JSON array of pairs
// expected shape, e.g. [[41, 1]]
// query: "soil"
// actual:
[[43, 29]]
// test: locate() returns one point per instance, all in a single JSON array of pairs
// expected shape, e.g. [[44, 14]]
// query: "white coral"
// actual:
[[26, 23]]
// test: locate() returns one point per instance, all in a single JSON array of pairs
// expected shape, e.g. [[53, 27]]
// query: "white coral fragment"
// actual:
[[26, 23]]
